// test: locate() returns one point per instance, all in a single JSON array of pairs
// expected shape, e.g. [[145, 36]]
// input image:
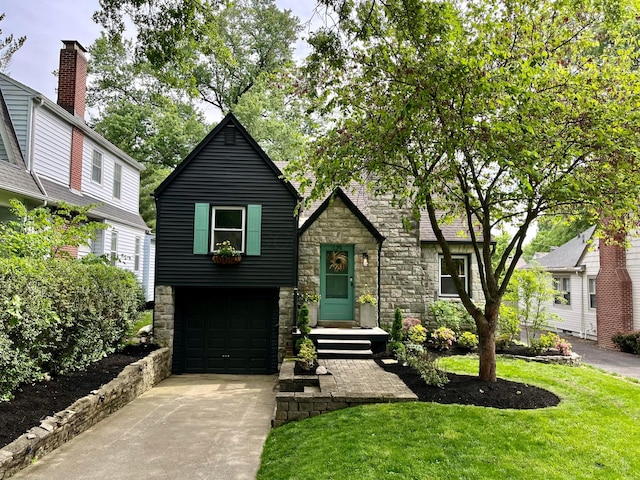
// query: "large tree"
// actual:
[[495, 111], [8, 46]]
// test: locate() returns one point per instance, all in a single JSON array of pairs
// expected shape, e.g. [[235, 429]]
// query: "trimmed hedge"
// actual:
[[628, 342], [60, 315]]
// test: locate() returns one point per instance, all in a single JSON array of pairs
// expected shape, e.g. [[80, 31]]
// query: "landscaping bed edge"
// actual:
[[135, 379]]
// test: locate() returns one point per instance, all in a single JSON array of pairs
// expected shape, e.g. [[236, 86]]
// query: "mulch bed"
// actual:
[[33, 403], [470, 390]]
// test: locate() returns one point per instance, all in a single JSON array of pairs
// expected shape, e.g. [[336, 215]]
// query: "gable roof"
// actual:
[[75, 121], [569, 255], [13, 174], [229, 118], [339, 193]]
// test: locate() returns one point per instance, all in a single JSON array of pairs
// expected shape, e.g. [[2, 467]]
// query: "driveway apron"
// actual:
[[187, 427]]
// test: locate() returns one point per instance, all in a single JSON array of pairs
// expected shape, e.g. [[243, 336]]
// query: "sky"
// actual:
[[47, 22]]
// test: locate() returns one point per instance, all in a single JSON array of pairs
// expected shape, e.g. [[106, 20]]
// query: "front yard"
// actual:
[[593, 433]]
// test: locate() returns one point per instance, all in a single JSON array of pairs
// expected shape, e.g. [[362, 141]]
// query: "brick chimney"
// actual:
[[613, 291], [72, 78], [72, 96]]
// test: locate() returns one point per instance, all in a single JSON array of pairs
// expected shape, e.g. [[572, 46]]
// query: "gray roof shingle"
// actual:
[[568, 255]]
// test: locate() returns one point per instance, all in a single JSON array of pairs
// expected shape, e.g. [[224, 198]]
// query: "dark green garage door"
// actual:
[[227, 331]]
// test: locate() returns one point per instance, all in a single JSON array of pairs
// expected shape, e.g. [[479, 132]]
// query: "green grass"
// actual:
[[593, 434], [145, 318]]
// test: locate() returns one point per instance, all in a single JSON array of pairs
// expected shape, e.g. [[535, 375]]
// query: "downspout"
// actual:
[[583, 331]]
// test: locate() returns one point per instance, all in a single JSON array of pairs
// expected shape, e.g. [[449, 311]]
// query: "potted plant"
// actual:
[[368, 311], [312, 300], [226, 254]]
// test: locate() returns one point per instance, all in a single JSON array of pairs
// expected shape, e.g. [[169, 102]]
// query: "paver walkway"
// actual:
[[363, 376]]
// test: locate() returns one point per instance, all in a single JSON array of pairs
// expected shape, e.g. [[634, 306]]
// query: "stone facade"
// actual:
[[338, 225], [285, 324], [163, 316]]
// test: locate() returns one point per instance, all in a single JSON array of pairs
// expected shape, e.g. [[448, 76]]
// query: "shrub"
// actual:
[[468, 340], [396, 328], [628, 342], [564, 347], [407, 323], [307, 354], [428, 369], [443, 338], [303, 321], [545, 342], [396, 348], [60, 315], [503, 341], [508, 324], [417, 334], [452, 315]]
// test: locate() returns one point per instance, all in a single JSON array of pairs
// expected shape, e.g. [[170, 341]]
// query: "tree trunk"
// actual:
[[487, 347]]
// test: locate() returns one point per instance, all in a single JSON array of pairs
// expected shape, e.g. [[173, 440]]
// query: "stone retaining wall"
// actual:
[[295, 405], [52, 432]]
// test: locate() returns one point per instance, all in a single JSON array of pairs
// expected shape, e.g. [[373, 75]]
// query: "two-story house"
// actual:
[[48, 154]]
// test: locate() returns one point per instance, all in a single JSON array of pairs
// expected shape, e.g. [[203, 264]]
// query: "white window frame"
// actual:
[[563, 286], [136, 255], [243, 229], [97, 162], [465, 278], [113, 248], [592, 299], [117, 181]]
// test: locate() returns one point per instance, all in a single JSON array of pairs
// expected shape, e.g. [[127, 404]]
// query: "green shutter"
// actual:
[[254, 229], [201, 228]]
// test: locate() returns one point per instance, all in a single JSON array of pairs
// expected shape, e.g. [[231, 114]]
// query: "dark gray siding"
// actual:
[[225, 175]]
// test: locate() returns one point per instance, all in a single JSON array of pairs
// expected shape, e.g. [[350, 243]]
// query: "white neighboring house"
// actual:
[[48, 154], [601, 285]]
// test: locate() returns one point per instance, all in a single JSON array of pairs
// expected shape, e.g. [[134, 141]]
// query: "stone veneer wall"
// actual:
[[163, 316], [337, 225], [285, 324], [55, 430], [402, 278]]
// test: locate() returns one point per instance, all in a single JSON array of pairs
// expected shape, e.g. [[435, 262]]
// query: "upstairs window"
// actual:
[[563, 285], [228, 224], [96, 167], [117, 180], [461, 265]]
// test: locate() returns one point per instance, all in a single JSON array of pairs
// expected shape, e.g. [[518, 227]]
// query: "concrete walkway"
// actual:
[[611, 360], [186, 427]]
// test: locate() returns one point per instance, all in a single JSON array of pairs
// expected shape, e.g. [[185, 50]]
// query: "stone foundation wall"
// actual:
[[285, 324], [53, 431], [163, 316]]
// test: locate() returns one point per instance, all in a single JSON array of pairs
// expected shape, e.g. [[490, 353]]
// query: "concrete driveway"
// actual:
[[186, 427]]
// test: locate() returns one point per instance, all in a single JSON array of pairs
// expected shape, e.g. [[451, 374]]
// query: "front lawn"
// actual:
[[593, 433]]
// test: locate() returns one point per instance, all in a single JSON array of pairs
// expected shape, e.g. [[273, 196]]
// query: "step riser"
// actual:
[[327, 344], [350, 354]]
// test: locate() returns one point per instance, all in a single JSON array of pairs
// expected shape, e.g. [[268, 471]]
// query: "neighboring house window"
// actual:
[[563, 285], [227, 223], [97, 244], [117, 180], [136, 258], [96, 167], [592, 293], [461, 264], [114, 247], [241, 226]]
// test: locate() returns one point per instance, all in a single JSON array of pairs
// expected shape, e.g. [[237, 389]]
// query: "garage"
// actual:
[[226, 330]]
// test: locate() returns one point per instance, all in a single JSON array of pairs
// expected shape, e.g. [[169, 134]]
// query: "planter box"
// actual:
[[368, 316]]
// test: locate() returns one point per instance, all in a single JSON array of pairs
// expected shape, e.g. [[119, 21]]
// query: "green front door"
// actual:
[[336, 283]]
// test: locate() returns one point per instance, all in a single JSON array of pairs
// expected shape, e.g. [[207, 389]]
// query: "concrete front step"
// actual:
[[337, 344], [337, 353]]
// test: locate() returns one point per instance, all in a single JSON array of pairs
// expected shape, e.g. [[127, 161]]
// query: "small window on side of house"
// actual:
[[447, 288], [592, 293], [113, 256], [96, 167], [136, 257], [117, 180], [563, 285]]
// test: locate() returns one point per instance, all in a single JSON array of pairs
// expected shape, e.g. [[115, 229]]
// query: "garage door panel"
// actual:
[[227, 331]]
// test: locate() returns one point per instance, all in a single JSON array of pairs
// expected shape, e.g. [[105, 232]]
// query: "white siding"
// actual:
[[130, 189], [591, 262], [149, 270], [570, 313], [19, 104], [52, 147], [633, 266], [126, 246]]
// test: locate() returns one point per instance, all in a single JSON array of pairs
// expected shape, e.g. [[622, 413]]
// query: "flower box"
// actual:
[[226, 260]]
